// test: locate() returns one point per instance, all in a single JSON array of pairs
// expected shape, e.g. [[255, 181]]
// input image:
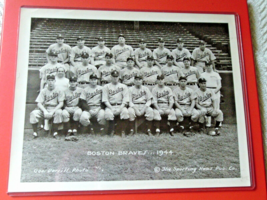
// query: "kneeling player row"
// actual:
[[127, 103]]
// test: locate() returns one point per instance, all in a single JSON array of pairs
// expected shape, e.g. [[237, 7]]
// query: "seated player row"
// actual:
[[81, 105], [71, 57]]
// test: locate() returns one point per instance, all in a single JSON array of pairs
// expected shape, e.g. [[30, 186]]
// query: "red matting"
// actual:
[[8, 74]]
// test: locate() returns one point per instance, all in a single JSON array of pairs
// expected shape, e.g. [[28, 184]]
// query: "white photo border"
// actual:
[[16, 186]]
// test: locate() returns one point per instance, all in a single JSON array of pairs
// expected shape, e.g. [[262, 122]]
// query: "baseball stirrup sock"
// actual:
[[157, 124], [217, 124], [67, 125], [34, 127], [172, 124]]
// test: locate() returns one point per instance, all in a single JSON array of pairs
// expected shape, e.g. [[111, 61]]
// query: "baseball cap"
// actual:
[[85, 55], [108, 55], [50, 77], [150, 58], [100, 39], [121, 35], [52, 53], [142, 41], [180, 40], [201, 42], [80, 38], [202, 80], [93, 76], [186, 58], [169, 57], [182, 78], [60, 36], [130, 58], [160, 40], [73, 79], [138, 76], [160, 77], [115, 73]]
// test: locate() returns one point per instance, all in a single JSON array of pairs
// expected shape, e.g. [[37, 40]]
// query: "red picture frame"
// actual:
[[8, 77]]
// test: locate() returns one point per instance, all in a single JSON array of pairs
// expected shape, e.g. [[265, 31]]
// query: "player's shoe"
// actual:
[[149, 132], [157, 132], [69, 133], [55, 135], [74, 131], [131, 132], [35, 135], [171, 131], [123, 134], [217, 132]]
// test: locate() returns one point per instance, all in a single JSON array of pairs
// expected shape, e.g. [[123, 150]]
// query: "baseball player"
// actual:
[[84, 70], [140, 99], [191, 73], [141, 54], [62, 83], [106, 69], [121, 52], [72, 109], [76, 52], [116, 98], [49, 102], [206, 105], [92, 95], [184, 100], [163, 102], [201, 55], [99, 52], [214, 83], [150, 73], [51, 68], [160, 53], [128, 73], [180, 53], [63, 52], [171, 73]]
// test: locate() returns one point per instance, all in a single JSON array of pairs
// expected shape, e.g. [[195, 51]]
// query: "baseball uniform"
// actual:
[[172, 75], [121, 53], [179, 56], [150, 76], [184, 98], [192, 75], [83, 73], [201, 57], [93, 98], [160, 55], [205, 100], [105, 71], [99, 55], [127, 75], [141, 55], [76, 53], [50, 69]]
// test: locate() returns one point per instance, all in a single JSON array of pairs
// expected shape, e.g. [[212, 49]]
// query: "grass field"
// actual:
[[46, 159]]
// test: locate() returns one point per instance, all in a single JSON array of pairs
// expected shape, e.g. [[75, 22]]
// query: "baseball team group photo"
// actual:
[[129, 100]]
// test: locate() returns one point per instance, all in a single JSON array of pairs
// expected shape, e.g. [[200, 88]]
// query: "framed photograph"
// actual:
[[140, 162], [210, 149]]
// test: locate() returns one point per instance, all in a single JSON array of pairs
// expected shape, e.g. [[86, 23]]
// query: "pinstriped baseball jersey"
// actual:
[[127, 75], [121, 54], [142, 54], [63, 51], [50, 97], [99, 53], [83, 72], [93, 96], [206, 98], [183, 97], [171, 73], [76, 53], [180, 54], [115, 94], [160, 55], [190, 74], [162, 95], [150, 74], [105, 71], [72, 97]]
